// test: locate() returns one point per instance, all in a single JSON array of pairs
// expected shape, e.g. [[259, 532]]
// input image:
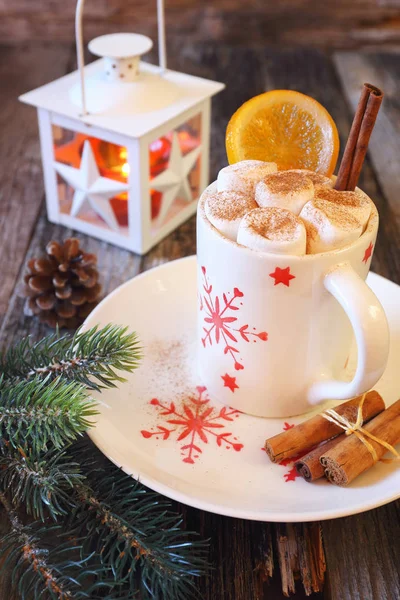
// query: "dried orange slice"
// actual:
[[285, 127]]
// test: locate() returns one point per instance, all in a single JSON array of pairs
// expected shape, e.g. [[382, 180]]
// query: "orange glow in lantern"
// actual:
[[112, 161], [125, 170]]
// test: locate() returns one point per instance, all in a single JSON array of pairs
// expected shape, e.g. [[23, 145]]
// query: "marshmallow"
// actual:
[[225, 211], [273, 230], [285, 189], [243, 176], [356, 203], [316, 178], [329, 226]]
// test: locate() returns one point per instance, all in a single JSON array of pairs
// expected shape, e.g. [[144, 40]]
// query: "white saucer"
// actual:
[[162, 428]]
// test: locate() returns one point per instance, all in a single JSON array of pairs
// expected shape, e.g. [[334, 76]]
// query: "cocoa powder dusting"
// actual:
[[336, 214], [170, 365], [317, 215], [252, 170], [273, 223], [316, 178], [287, 182], [229, 206], [343, 199], [245, 165]]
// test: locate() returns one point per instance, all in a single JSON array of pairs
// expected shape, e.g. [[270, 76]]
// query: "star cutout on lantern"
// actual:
[[91, 186], [70, 152], [230, 382], [174, 182], [282, 276], [368, 253]]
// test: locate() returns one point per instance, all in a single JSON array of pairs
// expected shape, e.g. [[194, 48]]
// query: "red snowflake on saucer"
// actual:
[[221, 325], [197, 422], [292, 473]]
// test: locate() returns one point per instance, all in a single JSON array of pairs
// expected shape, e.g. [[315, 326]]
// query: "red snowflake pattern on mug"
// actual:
[[221, 325], [197, 422]]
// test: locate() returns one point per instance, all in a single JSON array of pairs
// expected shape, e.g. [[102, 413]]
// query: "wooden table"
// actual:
[[362, 552]]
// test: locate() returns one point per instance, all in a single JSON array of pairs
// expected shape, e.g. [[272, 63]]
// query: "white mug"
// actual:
[[275, 331]]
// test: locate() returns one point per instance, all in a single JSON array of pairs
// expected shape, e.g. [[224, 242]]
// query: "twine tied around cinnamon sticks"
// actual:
[[320, 446], [359, 431]]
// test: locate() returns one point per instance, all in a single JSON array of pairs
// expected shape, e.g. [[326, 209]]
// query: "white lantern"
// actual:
[[125, 144]]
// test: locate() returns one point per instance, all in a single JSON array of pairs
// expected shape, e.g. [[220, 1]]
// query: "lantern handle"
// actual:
[[162, 50]]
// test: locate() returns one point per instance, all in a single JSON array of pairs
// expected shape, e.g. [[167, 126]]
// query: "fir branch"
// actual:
[[138, 543], [135, 533], [31, 568], [92, 358], [61, 573], [42, 483], [40, 413]]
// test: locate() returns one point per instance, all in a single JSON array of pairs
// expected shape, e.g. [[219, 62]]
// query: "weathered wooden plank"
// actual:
[[21, 191], [300, 556], [382, 70], [363, 555], [340, 24], [234, 577], [116, 266]]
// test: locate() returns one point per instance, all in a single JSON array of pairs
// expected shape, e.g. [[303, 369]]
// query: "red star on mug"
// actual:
[[282, 276], [368, 253], [230, 382]]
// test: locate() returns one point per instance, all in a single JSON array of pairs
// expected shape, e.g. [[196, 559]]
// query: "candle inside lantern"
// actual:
[[113, 163], [125, 168]]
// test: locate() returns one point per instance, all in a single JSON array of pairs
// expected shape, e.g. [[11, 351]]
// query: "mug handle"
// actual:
[[371, 330]]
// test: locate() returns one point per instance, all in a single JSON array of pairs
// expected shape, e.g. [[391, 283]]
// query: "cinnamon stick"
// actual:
[[310, 433], [309, 466], [360, 133], [345, 461]]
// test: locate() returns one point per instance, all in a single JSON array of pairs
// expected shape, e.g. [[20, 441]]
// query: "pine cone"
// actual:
[[62, 288]]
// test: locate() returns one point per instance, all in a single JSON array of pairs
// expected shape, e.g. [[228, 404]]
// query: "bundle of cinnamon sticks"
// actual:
[[328, 451]]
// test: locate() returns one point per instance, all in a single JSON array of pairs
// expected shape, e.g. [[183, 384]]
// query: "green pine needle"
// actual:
[[137, 535], [94, 358], [41, 482], [124, 538], [42, 572], [40, 413]]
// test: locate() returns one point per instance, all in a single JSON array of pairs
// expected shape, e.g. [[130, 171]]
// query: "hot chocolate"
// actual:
[[286, 189], [273, 230], [244, 175], [225, 210], [293, 212]]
